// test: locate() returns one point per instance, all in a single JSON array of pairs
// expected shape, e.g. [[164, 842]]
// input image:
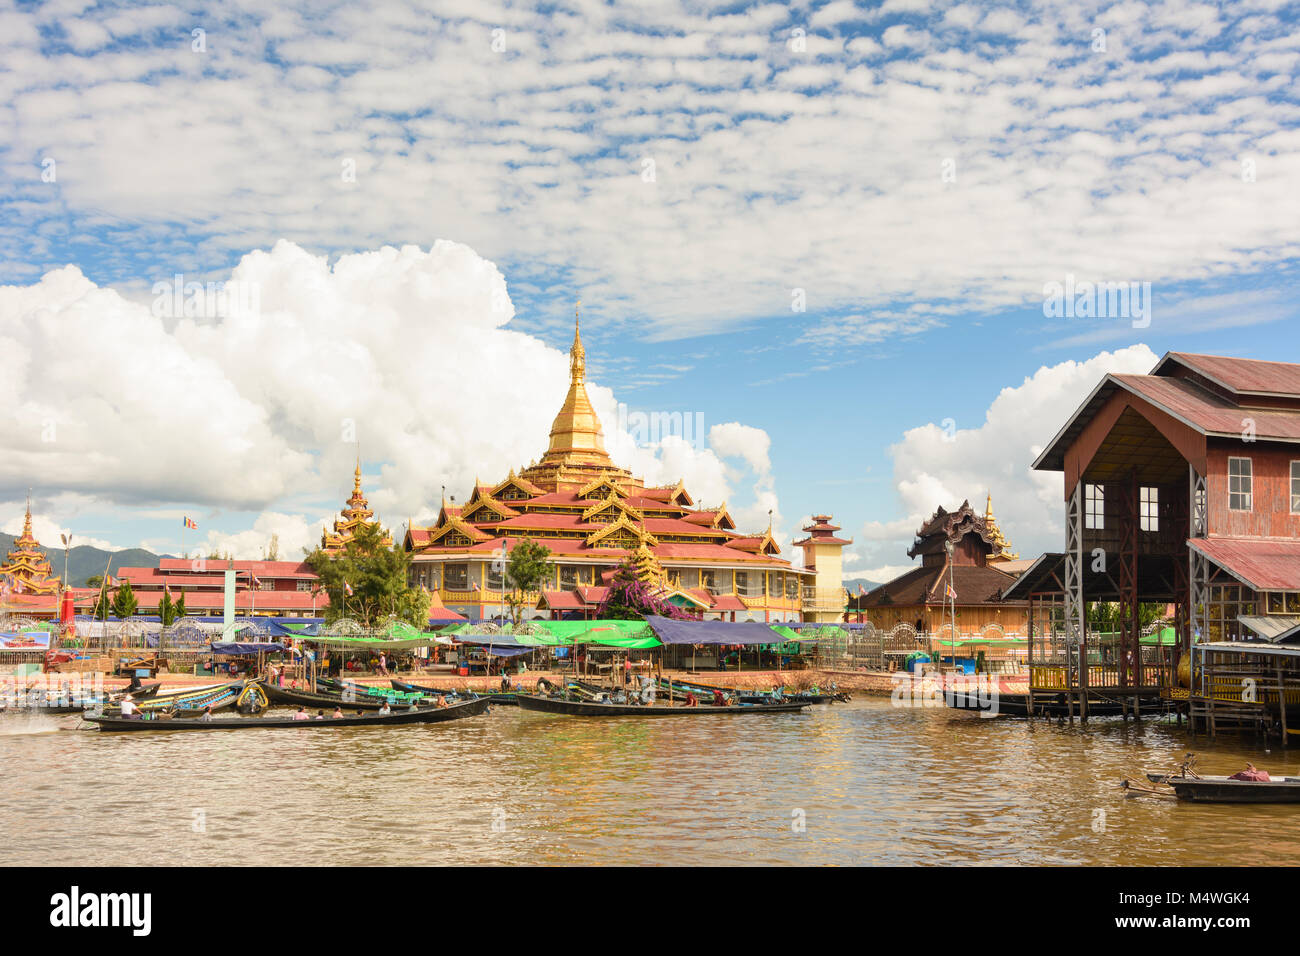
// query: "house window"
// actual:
[[1239, 484], [1094, 507], [1149, 509], [1295, 487], [457, 577], [303, 585]]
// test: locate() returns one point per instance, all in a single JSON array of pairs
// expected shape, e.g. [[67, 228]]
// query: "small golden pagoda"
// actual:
[[1001, 546], [26, 565], [355, 513]]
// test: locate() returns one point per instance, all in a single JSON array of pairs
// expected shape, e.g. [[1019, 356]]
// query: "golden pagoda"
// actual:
[[27, 567], [1001, 546], [576, 454], [595, 517], [355, 513]]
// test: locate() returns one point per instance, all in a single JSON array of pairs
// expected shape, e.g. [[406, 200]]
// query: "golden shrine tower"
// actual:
[[1001, 546], [356, 512], [26, 565]]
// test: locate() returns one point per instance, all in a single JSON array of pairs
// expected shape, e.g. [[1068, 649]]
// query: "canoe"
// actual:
[[580, 708], [1223, 790], [1017, 705], [745, 696], [350, 690], [425, 715], [497, 697], [194, 702], [319, 700]]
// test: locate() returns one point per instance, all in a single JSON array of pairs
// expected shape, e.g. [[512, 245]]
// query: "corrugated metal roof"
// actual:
[[1208, 413], [1243, 376], [1264, 564]]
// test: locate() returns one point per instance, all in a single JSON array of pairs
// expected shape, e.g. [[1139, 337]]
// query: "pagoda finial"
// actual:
[[577, 354]]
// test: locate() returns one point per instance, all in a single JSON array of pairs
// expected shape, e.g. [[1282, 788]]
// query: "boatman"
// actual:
[[129, 709]]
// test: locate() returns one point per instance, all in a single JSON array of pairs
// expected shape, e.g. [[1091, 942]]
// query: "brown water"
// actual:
[[873, 784]]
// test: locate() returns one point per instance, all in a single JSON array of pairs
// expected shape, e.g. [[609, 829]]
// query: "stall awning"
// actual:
[[712, 632], [245, 650]]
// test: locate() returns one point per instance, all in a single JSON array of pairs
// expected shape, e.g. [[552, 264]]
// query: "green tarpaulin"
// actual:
[[396, 636], [632, 635]]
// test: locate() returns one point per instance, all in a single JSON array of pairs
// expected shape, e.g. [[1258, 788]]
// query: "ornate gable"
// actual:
[[516, 488], [609, 510], [622, 533], [488, 503], [455, 532], [602, 485]]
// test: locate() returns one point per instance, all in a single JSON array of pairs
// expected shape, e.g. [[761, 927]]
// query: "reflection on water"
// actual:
[[871, 784]]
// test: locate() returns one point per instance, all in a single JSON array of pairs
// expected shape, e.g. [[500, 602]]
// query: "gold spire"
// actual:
[[576, 436], [577, 354]]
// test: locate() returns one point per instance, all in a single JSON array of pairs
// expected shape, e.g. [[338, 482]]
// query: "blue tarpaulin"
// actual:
[[245, 649], [712, 632]]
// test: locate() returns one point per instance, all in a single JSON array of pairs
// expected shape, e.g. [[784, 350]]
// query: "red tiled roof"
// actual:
[[1264, 564], [265, 600], [825, 539], [561, 600], [263, 569], [727, 602], [592, 595]]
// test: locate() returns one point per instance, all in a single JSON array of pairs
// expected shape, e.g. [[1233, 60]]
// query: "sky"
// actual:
[[818, 248]]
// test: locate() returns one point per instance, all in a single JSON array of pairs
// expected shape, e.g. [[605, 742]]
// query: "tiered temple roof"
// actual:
[[27, 567], [355, 513], [586, 509]]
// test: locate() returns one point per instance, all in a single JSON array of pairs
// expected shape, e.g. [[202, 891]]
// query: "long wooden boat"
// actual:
[[56, 702], [424, 715], [745, 696], [323, 701], [1223, 790], [349, 690], [1017, 705], [581, 708], [194, 702], [497, 697]]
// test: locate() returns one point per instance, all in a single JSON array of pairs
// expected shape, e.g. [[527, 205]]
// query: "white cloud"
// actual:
[[942, 466], [407, 352]]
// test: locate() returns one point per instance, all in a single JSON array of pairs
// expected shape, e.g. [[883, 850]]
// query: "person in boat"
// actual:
[[719, 698], [440, 702], [320, 715], [129, 707], [207, 713], [301, 714], [385, 710], [505, 683], [338, 713], [1251, 773], [620, 696], [647, 689], [691, 699]]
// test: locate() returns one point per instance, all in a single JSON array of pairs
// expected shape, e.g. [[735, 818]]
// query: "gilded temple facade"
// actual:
[[26, 569], [594, 515]]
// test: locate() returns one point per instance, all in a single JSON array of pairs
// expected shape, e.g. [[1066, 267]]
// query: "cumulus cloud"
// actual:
[[404, 356], [946, 463]]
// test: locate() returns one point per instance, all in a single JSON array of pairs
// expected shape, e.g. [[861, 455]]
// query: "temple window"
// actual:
[[1295, 487], [457, 577], [709, 579], [749, 584], [1094, 507], [568, 576], [689, 578], [1239, 484], [495, 578], [791, 587], [1149, 509]]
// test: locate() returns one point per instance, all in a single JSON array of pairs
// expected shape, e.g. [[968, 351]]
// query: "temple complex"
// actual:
[[959, 549], [594, 515], [26, 568], [356, 512]]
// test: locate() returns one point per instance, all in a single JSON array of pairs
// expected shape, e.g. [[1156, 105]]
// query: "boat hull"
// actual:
[[432, 715], [496, 697], [576, 708], [1286, 790]]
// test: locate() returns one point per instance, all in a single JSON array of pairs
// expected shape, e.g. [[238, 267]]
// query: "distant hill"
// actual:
[[85, 561], [851, 584]]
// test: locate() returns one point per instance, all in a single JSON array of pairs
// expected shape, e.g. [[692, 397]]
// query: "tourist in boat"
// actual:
[[338, 713], [385, 710], [301, 714], [320, 715], [207, 713]]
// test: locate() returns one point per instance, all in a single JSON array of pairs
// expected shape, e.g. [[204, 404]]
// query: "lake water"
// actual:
[[846, 784]]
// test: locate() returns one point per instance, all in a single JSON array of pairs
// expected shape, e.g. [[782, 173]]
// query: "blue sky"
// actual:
[[916, 173]]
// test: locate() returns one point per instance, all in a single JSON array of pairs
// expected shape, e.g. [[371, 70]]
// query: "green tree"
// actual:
[[167, 609], [525, 571], [377, 575], [180, 606], [124, 602], [94, 581], [101, 609]]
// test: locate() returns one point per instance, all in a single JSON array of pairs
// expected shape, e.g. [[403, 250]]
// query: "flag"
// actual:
[[474, 586], [256, 581], [190, 524], [347, 588], [862, 588], [951, 594]]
